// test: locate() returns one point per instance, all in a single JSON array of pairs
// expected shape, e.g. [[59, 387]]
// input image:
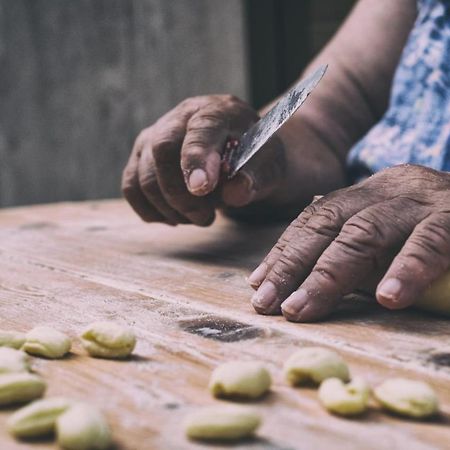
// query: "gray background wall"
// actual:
[[79, 79]]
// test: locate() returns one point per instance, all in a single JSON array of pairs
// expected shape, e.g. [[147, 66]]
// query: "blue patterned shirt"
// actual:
[[416, 126]]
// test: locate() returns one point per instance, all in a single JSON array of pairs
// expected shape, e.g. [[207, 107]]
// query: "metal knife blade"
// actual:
[[259, 133]]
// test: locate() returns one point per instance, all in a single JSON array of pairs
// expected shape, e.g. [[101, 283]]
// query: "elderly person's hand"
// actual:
[[340, 241], [174, 171], [176, 163]]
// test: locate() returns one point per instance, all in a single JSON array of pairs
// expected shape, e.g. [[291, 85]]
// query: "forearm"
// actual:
[[362, 58], [353, 95]]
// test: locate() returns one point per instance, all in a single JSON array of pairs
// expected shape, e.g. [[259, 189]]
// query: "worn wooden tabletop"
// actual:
[[184, 293]]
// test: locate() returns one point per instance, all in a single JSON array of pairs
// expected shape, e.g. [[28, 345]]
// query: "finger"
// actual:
[[306, 244], [166, 153], [259, 178], [150, 188], [207, 132], [424, 257], [359, 250], [259, 274], [132, 192]]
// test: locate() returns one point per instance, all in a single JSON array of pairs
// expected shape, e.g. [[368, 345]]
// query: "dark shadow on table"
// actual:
[[243, 246], [363, 307]]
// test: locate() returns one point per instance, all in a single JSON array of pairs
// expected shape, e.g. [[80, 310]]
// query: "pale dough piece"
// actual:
[[344, 399], [240, 379], [407, 397], [20, 387], [37, 418], [12, 339], [12, 360], [313, 365], [46, 341], [437, 297], [83, 427], [222, 423], [108, 340]]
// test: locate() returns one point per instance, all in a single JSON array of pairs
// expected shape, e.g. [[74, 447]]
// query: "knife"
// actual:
[[237, 153]]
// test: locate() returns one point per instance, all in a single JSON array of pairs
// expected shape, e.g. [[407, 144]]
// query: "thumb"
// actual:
[[259, 178]]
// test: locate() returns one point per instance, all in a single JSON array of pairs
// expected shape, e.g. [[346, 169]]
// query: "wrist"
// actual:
[[313, 166]]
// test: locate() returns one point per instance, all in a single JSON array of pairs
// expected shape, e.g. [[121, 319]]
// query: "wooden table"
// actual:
[[184, 293]]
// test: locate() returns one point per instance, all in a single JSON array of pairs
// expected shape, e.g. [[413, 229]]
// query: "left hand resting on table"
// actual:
[[396, 222]]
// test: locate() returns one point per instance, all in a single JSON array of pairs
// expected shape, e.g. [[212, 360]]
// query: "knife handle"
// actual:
[[230, 147]]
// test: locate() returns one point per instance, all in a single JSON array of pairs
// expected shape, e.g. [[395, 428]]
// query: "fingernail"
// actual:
[[257, 276], [198, 180], [294, 304], [265, 296], [390, 289]]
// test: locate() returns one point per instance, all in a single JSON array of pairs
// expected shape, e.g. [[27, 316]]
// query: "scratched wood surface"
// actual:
[[184, 293]]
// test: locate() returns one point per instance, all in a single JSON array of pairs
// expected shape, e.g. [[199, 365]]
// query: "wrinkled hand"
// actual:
[[175, 164], [396, 222]]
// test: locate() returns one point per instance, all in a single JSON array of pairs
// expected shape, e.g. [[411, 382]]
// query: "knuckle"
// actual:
[[275, 252], [327, 271], [278, 247], [305, 215], [336, 278], [361, 241], [438, 229], [188, 102], [280, 244], [430, 246], [416, 263], [236, 105], [148, 181], [233, 103], [326, 221], [141, 140], [193, 150], [128, 182], [206, 122], [163, 143], [166, 134], [189, 106], [143, 137], [288, 267], [363, 229], [230, 98], [195, 100], [350, 249], [128, 189]]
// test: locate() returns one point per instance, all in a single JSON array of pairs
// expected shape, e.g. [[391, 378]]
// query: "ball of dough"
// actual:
[[46, 341], [83, 427], [407, 397], [12, 339], [20, 387], [37, 418], [222, 423], [12, 360], [344, 399], [240, 379], [436, 297], [313, 365], [108, 340]]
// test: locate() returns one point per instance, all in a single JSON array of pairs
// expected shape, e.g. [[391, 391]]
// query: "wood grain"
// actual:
[[79, 79], [183, 291]]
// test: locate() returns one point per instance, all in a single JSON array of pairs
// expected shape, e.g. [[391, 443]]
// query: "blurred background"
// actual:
[[80, 78]]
